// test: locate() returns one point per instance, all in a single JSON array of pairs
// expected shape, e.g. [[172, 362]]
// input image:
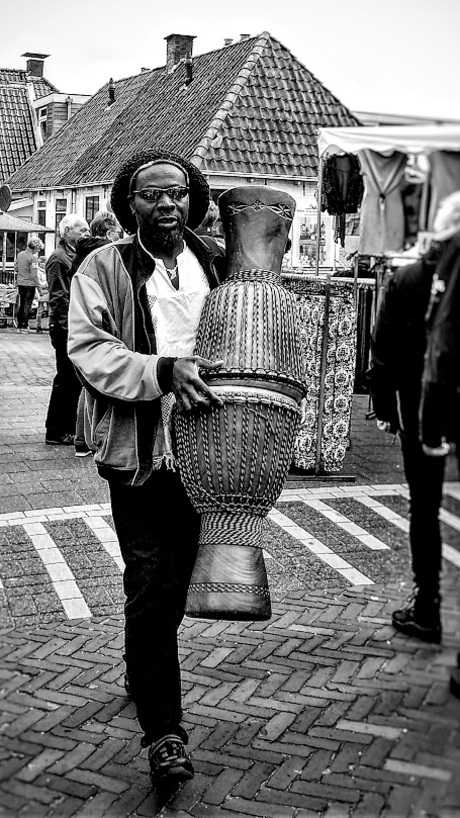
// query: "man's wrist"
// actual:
[[165, 369]]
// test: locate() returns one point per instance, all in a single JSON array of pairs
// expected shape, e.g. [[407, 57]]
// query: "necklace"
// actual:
[[173, 272], [173, 276]]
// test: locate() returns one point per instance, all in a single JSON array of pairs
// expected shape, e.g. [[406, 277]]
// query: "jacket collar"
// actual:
[[207, 253]]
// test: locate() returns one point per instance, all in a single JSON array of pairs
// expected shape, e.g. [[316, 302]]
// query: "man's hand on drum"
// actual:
[[190, 390]]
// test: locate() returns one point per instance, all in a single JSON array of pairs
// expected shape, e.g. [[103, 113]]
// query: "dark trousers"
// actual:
[[62, 408], [158, 531], [425, 477], [26, 296]]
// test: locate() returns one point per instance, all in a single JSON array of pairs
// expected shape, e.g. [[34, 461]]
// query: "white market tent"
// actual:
[[409, 139], [384, 139]]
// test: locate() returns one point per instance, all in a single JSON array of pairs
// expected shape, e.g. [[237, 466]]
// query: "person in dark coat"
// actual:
[[440, 405], [62, 408], [398, 346], [104, 228]]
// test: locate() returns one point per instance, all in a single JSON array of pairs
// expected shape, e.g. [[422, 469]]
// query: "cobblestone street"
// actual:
[[322, 711]]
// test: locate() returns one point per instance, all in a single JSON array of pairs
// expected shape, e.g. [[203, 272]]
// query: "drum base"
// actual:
[[229, 580]]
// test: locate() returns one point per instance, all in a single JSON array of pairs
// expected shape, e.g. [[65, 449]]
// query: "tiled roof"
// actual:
[[251, 108], [17, 134]]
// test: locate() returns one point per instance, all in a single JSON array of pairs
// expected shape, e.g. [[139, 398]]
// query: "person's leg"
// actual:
[[40, 311], [81, 447], [62, 409], [425, 477], [455, 675], [28, 298], [20, 309], [157, 529]]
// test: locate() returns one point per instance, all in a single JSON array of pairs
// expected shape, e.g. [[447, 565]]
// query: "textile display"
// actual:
[[364, 320], [411, 193], [382, 215], [343, 190], [310, 294]]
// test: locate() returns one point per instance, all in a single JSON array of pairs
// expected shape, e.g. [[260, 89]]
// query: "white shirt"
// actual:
[[176, 313], [175, 318]]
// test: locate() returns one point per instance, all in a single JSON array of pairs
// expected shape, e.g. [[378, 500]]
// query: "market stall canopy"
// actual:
[[9, 223], [409, 139]]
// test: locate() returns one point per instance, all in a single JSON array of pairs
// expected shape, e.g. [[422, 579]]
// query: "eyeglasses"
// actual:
[[154, 194]]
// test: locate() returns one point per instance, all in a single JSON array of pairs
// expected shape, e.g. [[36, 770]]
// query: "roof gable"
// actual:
[[290, 105], [245, 107], [17, 132]]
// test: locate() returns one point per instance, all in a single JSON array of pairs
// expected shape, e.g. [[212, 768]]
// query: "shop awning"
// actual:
[[388, 138], [9, 223]]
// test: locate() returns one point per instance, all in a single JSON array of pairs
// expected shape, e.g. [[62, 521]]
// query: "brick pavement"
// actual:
[[322, 711]]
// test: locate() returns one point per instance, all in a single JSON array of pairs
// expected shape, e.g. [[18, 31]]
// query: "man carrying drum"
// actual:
[[134, 311]]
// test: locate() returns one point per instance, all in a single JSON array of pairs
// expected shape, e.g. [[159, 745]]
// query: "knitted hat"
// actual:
[[198, 188]]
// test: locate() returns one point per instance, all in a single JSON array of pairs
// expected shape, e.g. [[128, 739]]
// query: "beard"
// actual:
[[165, 240]]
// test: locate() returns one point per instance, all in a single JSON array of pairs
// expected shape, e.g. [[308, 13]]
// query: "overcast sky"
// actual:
[[389, 56]]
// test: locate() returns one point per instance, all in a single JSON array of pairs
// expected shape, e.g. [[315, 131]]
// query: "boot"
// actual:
[[420, 617]]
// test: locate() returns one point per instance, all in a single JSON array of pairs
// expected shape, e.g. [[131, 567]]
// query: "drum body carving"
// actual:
[[234, 459]]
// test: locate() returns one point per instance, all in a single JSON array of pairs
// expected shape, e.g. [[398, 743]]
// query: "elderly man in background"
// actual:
[[27, 280], [134, 313], [62, 408]]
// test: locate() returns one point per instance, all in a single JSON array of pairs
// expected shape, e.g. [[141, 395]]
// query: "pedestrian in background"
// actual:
[[62, 408], [440, 405], [42, 294], [27, 280], [398, 346]]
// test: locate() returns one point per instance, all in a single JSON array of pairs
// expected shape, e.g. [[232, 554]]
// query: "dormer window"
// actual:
[[42, 115]]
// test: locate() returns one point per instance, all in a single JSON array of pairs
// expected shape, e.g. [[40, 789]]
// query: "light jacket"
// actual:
[[26, 268], [113, 346]]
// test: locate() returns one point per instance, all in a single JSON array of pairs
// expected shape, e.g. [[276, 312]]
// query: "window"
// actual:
[[41, 217], [42, 121], [91, 207], [21, 242], [61, 210]]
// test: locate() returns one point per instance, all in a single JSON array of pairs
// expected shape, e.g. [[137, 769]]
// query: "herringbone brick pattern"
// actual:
[[323, 711]]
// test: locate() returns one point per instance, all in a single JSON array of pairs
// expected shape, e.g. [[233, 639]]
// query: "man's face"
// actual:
[[80, 229], [161, 223]]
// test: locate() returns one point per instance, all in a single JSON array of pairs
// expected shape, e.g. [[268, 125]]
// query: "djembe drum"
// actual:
[[234, 459]]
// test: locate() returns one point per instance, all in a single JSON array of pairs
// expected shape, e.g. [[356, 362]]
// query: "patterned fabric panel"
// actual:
[[338, 375]]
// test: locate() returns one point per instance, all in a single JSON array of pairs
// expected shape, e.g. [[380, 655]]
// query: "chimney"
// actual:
[[111, 89], [178, 47], [244, 36], [228, 41], [34, 65]]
